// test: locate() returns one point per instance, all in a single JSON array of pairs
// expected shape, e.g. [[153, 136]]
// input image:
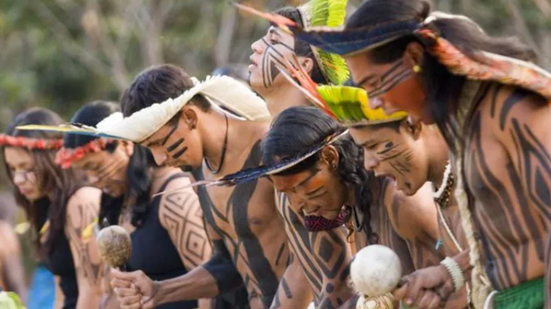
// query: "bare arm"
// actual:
[[12, 269], [524, 129], [415, 219], [181, 215], [216, 276], [294, 290], [323, 256], [82, 210]]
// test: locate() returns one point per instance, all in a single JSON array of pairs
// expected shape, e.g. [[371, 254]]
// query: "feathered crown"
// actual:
[[222, 90], [315, 14], [327, 13], [483, 66], [348, 105]]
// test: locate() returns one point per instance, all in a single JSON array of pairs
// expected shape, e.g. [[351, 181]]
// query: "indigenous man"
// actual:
[[330, 287], [327, 278], [492, 106], [421, 155], [189, 129]]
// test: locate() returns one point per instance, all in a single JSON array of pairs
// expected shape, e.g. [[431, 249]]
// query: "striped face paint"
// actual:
[[397, 73], [270, 52]]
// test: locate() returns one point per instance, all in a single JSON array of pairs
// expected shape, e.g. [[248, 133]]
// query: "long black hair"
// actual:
[[299, 128], [62, 183], [442, 88], [138, 176]]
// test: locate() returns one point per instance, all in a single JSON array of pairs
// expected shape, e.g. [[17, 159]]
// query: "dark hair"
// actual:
[[302, 127], [302, 48], [62, 183], [157, 84], [138, 174], [442, 87]]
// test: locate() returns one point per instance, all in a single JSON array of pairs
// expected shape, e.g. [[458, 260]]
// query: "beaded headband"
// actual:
[[66, 156], [30, 143]]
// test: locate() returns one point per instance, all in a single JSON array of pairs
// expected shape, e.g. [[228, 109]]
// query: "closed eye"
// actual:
[[318, 190]]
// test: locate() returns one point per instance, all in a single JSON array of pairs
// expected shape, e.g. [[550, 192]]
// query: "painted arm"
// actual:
[[12, 269], [181, 215], [415, 220], [524, 129], [82, 210], [323, 256], [218, 275], [294, 290]]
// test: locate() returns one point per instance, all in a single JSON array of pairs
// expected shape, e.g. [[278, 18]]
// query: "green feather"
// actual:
[[346, 103], [329, 13], [343, 102]]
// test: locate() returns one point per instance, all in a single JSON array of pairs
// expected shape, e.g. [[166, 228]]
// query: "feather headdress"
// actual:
[[221, 90], [251, 174], [483, 66], [316, 14], [327, 13], [348, 105]]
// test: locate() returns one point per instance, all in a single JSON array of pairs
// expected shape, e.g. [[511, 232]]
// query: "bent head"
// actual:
[[402, 75], [178, 142], [317, 186], [390, 73], [396, 150], [274, 49], [41, 186], [105, 164], [32, 172]]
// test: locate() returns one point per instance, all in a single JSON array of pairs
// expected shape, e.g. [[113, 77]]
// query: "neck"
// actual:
[[438, 156], [280, 97], [213, 134]]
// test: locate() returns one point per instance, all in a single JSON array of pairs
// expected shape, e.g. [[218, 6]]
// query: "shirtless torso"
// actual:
[[244, 220], [508, 172]]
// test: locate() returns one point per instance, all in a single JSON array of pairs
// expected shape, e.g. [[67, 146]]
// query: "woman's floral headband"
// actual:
[[30, 143], [66, 156]]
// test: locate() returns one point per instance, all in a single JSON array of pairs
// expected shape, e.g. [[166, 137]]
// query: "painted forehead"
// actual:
[[305, 180]]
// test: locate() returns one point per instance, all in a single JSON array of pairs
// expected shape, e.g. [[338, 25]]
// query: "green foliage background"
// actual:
[[63, 53], [60, 54]]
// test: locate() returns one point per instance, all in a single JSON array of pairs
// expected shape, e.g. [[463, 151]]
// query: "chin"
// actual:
[[33, 197]]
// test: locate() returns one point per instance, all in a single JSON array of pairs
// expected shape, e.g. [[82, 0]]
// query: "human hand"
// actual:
[[134, 290], [427, 288]]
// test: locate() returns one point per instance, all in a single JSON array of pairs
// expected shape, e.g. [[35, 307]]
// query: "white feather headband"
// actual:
[[222, 90]]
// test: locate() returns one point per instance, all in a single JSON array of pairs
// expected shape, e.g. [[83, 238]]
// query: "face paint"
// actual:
[[390, 79], [319, 223], [270, 60], [179, 153], [173, 147]]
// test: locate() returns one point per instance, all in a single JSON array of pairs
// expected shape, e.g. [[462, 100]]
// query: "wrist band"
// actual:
[[155, 290], [455, 272]]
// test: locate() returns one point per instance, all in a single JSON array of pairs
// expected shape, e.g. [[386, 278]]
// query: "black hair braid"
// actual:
[[352, 172]]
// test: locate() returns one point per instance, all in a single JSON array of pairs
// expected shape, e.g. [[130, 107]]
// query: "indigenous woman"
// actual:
[[58, 205], [167, 232], [491, 104]]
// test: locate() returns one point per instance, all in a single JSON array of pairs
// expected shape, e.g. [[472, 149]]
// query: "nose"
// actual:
[[256, 47], [370, 162], [18, 179], [376, 103], [159, 156]]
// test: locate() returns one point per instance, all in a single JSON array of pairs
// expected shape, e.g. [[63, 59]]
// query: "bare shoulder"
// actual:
[[409, 213], [84, 199], [507, 105], [180, 185], [8, 239]]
